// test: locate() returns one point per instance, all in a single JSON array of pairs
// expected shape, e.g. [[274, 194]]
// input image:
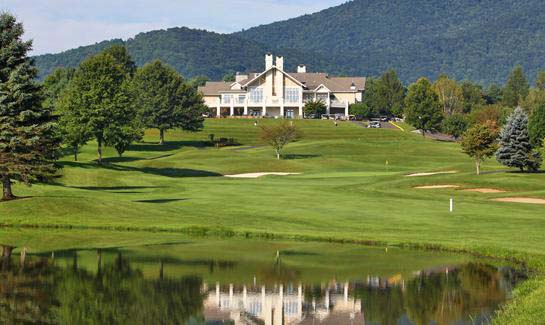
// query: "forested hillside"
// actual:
[[466, 39], [191, 52]]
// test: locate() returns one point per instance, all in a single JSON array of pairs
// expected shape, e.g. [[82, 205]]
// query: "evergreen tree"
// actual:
[[28, 141], [493, 94], [422, 108], [515, 148], [55, 83], [165, 101], [536, 126], [516, 88]]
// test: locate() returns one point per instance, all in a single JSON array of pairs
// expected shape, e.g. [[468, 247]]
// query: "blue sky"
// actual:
[[58, 25]]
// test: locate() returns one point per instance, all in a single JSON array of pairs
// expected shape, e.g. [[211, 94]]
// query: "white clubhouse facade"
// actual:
[[277, 93]]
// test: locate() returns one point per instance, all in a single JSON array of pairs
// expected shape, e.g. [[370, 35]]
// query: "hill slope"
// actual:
[[192, 52], [477, 40]]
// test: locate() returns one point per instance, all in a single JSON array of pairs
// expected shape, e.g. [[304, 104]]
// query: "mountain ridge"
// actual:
[[466, 39]]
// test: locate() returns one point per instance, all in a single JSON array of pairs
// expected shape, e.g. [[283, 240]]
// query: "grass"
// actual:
[[346, 192]]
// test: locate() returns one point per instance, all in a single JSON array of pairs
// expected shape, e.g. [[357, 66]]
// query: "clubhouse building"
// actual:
[[277, 93]]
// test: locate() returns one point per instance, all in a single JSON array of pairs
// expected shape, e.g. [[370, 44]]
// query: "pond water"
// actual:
[[250, 282]]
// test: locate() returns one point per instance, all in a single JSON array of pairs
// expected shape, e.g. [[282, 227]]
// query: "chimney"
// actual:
[[353, 86], [301, 68], [280, 62], [239, 77], [268, 61]]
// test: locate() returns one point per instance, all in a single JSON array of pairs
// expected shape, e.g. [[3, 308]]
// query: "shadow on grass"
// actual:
[[110, 160], [114, 188], [298, 156], [168, 146], [160, 200], [168, 172]]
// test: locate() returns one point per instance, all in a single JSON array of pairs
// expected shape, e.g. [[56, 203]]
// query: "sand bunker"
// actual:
[[437, 186], [434, 173], [485, 190], [256, 175], [528, 200]]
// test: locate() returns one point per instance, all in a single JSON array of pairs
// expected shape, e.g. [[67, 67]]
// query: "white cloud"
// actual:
[[58, 25]]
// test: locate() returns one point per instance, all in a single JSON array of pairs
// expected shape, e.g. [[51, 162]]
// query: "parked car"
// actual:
[[373, 125]]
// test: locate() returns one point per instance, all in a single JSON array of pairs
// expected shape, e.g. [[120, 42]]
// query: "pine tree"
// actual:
[[28, 141], [515, 148]]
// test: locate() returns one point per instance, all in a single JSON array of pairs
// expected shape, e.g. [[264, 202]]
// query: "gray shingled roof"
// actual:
[[311, 80]]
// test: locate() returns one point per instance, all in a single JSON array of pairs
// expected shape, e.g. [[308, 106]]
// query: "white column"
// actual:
[[244, 296], [218, 111], [218, 300], [328, 103], [327, 299], [300, 111], [345, 291], [346, 109], [231, 295], [246, 109], [282, 109], [231, 110], [300, 301]]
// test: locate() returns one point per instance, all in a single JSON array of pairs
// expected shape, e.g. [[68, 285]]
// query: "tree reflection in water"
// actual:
[[41, 292], [38, 290]]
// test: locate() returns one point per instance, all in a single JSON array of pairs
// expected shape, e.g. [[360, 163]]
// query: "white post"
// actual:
[[346, 110], [231, 110], [451, 204], [218, 300], [218, 111], [282, 110], [245, 110], [300, 111]]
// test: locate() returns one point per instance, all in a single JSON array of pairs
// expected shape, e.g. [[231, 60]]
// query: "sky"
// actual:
[[58, 25]]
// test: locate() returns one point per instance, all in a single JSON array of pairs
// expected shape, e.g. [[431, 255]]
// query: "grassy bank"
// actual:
[[352, 187]]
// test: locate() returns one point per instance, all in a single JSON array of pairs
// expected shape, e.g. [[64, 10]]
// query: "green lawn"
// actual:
[[346, 192]]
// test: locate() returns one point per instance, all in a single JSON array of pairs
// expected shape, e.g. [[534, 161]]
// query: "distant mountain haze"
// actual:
[[466, 39]]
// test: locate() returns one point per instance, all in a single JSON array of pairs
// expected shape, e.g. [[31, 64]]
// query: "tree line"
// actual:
[[507, 122], [106, 99]]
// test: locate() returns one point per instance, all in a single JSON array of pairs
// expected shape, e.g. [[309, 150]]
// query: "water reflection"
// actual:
[[59, 289]]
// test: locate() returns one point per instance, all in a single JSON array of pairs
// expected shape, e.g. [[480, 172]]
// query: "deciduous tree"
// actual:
[[28, 137], [279, 135], [314, 109], [536, 126], [516, 89], [450, 95], [455, 125], [97, 96], [479, 142], [422, 108], [165, 101]]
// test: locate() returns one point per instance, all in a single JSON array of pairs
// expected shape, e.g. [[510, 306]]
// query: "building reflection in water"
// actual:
[[281, 305]]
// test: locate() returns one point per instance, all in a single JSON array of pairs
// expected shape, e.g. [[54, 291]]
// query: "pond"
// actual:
[[214, 281]]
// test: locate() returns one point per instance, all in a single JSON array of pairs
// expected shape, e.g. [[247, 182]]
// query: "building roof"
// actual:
[[311, 81]]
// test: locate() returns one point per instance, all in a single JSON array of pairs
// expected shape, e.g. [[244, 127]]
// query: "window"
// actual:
[[322, 97], [291, 95], [308, 97], [256, 94], [226, 98], [241, 98]]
